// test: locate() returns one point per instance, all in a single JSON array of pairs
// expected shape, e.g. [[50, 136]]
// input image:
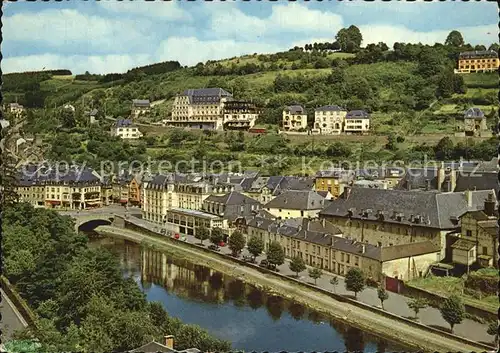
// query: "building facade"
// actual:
[[200, 108], [294, 118], [295, 204], [396, 217], [478, 61], [140, 106], [474, 122], [126, 130], [329, 119], [73, 188], [239, 115], [357, 122]]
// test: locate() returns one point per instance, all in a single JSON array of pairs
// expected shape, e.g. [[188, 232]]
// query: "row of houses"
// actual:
[[328, 120], [395, 232]]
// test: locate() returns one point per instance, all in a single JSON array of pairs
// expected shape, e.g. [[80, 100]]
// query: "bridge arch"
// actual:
[[91, 222]]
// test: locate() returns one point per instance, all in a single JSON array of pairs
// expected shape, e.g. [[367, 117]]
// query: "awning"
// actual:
[[123, 201], [53, 202]]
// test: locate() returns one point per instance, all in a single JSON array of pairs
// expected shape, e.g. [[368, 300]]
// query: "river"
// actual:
[[233, 310]]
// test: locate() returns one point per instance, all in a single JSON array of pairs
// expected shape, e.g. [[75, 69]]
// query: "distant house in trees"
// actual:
[[16, 109], [140, 106], [125, 129], [474, 122]]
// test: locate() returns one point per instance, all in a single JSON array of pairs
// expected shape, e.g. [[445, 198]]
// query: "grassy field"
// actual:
[[484, 80], [447, 286]]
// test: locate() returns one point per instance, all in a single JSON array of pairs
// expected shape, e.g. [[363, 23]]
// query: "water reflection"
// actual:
[[233, 310]]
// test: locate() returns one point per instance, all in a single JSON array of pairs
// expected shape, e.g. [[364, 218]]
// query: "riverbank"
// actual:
[[362, 317]]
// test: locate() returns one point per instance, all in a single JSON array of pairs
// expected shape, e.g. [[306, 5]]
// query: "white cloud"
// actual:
[[391, 34], [67, 28], [292, 18], [168, 10], [78, 64], [191, 50]]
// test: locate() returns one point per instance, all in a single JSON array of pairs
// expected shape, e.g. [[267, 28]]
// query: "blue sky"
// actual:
[[113, 36]]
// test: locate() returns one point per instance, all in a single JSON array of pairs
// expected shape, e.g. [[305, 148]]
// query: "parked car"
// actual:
[[163, 231], [222, 243], [248, 258], [214, 247], [264, 263]]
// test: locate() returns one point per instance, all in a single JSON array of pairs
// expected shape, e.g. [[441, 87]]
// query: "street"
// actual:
[[396, 303]]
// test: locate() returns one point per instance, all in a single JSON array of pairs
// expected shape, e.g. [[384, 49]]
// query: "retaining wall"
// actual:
[[335, 296]]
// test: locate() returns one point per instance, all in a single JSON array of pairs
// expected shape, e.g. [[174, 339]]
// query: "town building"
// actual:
[[333, 180], [140, 106], [474, 122], [478, 236], [264, 189], [240, 115], [478, 61], [203, 108], [15, 109], [322, 244], [92, 116], [372, 184], [125, 129], [295, 204], [164, 192], [357, 122], [218, 211], [391, 176], [329, 119], [395, 217], [74, 187], [294, 118]]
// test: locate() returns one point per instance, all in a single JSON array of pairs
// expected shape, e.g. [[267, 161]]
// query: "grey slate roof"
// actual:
[[123, 122], [297, 200], [206, 95], [154, 347], [357, 114], [475, 113], [35, 175], [232, 198], [140, 102], [429, 209], [478, 54], [477, 181], [295, 109], [418, 178], [326, 108]]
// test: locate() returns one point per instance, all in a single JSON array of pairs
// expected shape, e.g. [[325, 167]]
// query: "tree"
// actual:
[[493, 330], [444, 149], [315, 273], [417, 304], [236, 243], [275, 254], [216, 236], [349, 39], [334, 282], [355, 280], [494, 46], [255, 246], [382, 295], [297, 265], [202, 234], [452, 310], [454, 39]]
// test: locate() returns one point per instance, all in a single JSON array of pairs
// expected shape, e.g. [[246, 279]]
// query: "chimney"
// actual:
[[363, 248], [489, 205], [169, 341], [448, 185], [347, 192], [441, 176], [468, 197], [427, 184], [323, 222]]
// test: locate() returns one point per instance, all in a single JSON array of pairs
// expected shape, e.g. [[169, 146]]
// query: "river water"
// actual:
[[233, 310]]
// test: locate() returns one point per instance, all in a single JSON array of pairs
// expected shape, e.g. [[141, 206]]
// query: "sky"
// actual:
[[114, 36]]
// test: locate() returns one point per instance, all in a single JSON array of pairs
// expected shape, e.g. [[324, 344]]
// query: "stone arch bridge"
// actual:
[[92, 220]]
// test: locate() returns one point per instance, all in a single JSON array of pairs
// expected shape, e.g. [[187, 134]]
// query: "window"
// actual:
[[468, 233], [348, 258], [485, 250], [342, 257]]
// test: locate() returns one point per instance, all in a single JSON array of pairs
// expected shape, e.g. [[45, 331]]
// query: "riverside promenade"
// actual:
[[396, 303]]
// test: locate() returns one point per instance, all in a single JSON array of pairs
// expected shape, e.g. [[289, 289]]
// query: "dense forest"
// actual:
[[79, 296]]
